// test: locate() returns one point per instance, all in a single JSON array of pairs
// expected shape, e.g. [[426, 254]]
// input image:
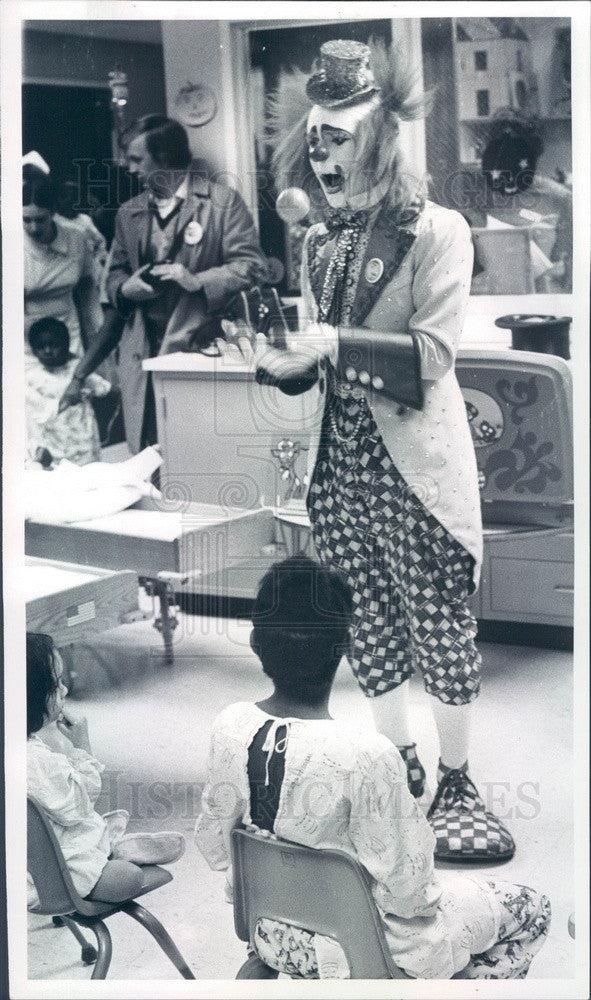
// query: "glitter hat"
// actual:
[[344, 76]]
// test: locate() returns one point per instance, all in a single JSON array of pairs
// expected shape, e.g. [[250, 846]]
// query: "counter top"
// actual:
[[200, 365]]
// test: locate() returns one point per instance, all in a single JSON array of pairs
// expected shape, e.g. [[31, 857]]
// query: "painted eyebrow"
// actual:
[[331, 130], [337, 131]]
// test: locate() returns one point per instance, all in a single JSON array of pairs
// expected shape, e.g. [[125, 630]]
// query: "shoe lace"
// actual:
[[456, 791]]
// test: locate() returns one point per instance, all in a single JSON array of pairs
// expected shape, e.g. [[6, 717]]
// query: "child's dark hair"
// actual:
[[301, 618], [48, 324], [41, 679]]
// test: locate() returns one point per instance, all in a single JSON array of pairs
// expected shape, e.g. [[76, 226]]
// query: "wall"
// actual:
[[198, 51], [51, 57]]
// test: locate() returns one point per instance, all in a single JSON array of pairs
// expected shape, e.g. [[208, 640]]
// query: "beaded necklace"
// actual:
[[330, 305]]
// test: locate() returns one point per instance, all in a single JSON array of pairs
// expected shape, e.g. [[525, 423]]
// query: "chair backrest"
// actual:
[[324, 891], [47, 866]]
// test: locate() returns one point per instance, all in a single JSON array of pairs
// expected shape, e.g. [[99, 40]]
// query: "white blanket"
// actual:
[[70, 492]]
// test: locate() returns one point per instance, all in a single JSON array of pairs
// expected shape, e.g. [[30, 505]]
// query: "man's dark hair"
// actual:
[[41, 679], [166, 140], [301, 618], [48, 324], [38, 190]]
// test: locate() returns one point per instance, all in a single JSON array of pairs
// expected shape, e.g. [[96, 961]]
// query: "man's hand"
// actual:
[[135, 289], [179, 273], [72, 394]]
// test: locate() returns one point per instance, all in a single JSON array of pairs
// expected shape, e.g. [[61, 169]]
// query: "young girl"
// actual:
[[65, 779], [55, 432], [285, 766]]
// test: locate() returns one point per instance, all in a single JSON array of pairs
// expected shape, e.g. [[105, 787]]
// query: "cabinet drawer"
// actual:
[[534, 588]]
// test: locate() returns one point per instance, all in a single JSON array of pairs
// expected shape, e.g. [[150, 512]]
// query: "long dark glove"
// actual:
[[294, 373], [388, 363]]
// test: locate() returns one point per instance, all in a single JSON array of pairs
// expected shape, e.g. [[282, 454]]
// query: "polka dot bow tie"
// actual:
[[341, 219]]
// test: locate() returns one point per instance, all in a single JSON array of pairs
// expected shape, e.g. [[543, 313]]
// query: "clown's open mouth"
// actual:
[[333, 182]]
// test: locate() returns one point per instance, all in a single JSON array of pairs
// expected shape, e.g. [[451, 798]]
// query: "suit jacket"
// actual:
[[228, 257], [423, 289]]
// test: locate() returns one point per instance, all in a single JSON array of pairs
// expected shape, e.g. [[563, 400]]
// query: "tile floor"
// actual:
[[150, 725]]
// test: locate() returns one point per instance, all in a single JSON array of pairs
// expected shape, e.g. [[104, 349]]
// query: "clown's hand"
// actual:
[[318, 340], [237, 345], [292, 371]]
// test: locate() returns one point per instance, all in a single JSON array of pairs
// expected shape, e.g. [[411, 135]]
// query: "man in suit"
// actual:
[[182, 249]]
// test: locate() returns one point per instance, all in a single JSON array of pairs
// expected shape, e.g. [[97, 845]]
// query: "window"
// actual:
[[482, 103], [481, 60]]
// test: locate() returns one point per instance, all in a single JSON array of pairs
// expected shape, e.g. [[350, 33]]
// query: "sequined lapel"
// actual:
[[319, 255], [388, 244]]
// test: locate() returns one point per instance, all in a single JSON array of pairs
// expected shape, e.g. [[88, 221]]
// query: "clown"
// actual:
[[393, 494]]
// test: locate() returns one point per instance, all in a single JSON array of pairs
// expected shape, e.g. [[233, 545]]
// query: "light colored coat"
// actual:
[[228, 258], [424, 289]]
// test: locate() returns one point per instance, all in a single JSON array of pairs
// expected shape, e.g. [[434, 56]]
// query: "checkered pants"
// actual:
[[410, 578]]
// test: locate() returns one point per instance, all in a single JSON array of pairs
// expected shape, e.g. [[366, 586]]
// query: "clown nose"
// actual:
[[293, 204]]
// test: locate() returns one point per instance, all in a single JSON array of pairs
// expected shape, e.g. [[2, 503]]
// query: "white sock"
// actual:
[[390, 712], [453, 726]]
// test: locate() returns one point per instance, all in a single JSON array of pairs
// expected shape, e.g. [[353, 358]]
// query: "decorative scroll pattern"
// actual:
[[518, 396], [524, 466]]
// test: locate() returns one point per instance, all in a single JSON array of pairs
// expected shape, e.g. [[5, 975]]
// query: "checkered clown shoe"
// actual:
[[464, 829], [414, 769]]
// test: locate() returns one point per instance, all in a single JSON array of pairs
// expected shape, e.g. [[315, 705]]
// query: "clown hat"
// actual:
[[344, 76]]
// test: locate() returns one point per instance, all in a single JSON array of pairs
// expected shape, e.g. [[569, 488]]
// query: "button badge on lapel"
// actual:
[[374, 270], [193, 233]]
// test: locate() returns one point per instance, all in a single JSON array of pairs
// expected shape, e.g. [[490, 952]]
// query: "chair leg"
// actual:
[[158, 932], [105, 950], [89, 952], [254, 968]]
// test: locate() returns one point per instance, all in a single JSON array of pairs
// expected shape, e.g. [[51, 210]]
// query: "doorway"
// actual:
[[65, 124]]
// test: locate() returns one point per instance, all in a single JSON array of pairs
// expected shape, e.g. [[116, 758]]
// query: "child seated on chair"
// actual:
[[55, 432], [65, 779], [286, 767]]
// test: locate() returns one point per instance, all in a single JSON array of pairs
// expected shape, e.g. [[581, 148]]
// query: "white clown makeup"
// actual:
[[331, 136]]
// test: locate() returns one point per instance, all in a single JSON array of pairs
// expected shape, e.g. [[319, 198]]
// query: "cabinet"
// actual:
[[527, 576], [218, 429]]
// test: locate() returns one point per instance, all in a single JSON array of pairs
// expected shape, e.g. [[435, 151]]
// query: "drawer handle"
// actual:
[[560, 589]]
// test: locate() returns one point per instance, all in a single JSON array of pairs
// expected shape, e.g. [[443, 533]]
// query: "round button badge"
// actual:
[[193, 233], [374, 270]]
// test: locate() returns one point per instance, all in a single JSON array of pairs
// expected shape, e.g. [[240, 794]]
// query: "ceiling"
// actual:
[[122, 31]]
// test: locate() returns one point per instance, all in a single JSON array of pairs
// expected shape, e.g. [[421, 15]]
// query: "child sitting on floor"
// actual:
[[65, 779], [285, 766], [55, 432]]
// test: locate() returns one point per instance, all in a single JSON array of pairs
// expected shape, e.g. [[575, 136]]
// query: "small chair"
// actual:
[[324, 891], [59, 898]]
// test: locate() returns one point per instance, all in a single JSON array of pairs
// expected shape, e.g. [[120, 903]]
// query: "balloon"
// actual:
[[293, 204]]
